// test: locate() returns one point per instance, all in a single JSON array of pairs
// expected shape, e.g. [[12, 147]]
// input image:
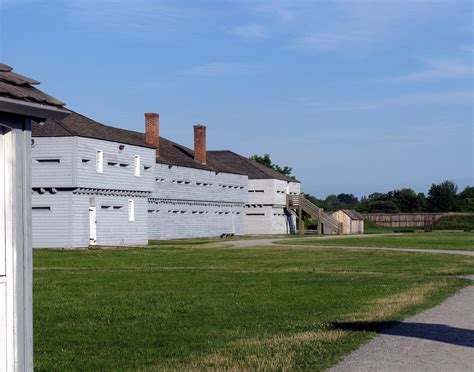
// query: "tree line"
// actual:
[[442, 197]]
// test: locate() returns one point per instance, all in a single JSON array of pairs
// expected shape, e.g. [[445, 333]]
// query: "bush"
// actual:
[[403, 230], [455, 222]]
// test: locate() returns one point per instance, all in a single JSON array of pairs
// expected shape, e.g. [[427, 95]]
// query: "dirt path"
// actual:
[[269, 242], [439, 339]]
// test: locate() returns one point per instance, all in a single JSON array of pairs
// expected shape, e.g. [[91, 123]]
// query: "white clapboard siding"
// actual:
[[113, 226], [52, 228], [190, 220], [50, 173], [268, 196], [16, 351], [118, 165], [258, 219], [195, 184]]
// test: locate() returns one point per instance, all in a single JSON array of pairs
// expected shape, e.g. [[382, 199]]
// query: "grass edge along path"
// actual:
[[433, 240]]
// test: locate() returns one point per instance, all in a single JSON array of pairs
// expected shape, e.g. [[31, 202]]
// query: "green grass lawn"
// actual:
[[434, 240], [216, 239], [192, 307], [372, 228]]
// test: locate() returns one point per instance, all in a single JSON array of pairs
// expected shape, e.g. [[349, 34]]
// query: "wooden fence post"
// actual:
[[300, 215]]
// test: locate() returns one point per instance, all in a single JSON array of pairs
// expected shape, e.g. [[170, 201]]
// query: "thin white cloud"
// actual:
[[437, 70], [251, 32], [332, 40], [222, 69], [415, 99]]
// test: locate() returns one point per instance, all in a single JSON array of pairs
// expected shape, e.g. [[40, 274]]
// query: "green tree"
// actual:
[[332, 202], [466, 199], [267, 161], [382, 206], [347, 200], [443, 197], [407, 201]]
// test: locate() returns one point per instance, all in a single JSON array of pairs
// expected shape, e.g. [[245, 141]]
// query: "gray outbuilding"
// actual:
[[352, 222]]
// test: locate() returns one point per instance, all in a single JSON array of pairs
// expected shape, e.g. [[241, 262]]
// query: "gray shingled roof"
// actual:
[[81, 126], [241, 164], [354, 215], [21, 88]]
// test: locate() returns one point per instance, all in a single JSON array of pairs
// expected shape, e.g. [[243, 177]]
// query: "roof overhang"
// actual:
[[34, 110]]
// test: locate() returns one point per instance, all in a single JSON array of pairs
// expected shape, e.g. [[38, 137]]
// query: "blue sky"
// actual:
[[356, 96]]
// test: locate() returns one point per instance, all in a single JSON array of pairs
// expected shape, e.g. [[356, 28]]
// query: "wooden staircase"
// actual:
[[326, 223]]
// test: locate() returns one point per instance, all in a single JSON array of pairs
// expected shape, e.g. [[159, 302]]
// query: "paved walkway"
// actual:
[[267, 242], [439, 339]]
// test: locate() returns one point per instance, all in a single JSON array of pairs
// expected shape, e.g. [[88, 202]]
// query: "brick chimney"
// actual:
[[152, 130], [200, 154]]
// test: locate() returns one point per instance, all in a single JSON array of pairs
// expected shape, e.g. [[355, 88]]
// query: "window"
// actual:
[[86, 160], [131, 210], [99, 161], [41, 208], [48, 161], [123, 165], [137, 165], [112, 163]]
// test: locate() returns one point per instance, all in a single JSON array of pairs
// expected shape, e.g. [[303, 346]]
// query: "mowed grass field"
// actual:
[[433, 240], [194, 307]]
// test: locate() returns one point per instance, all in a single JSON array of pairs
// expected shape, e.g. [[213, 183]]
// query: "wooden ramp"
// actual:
[[326, 223]]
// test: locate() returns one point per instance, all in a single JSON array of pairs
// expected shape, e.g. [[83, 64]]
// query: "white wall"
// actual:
[[114, 176], [52, 219], [268, 197], [189, 202], [52, 174], [16, 348], [177, 219], [173, 182]]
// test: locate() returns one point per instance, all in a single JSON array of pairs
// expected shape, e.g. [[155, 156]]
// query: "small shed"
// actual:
[[352, 221], [20, 104]]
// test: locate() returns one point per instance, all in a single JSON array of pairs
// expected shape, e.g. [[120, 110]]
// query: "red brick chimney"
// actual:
[[152, 130], [200, 154]]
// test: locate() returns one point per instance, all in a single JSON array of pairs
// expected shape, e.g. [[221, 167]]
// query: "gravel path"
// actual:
[[268, 242], [439, 339]]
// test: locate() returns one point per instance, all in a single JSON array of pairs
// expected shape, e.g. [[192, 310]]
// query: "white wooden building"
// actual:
[[352, 222], [94, 184], [265, 210], [20, 104]]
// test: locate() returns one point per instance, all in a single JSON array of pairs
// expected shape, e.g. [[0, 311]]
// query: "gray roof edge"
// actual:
[[31, 109], [259, 166]]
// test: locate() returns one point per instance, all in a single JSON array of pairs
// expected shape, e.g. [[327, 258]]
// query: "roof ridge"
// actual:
[[64, 127]]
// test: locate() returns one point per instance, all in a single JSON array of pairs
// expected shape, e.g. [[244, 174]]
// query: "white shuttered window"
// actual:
[[99, 161], [131, 210], [137, 165]]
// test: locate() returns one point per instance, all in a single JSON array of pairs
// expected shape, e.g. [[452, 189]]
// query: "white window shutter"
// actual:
[[137, 165], [131, 210], [99, 161]]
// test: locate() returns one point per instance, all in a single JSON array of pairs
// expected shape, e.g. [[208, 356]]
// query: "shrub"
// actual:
[[403, 230], [455, 222]]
